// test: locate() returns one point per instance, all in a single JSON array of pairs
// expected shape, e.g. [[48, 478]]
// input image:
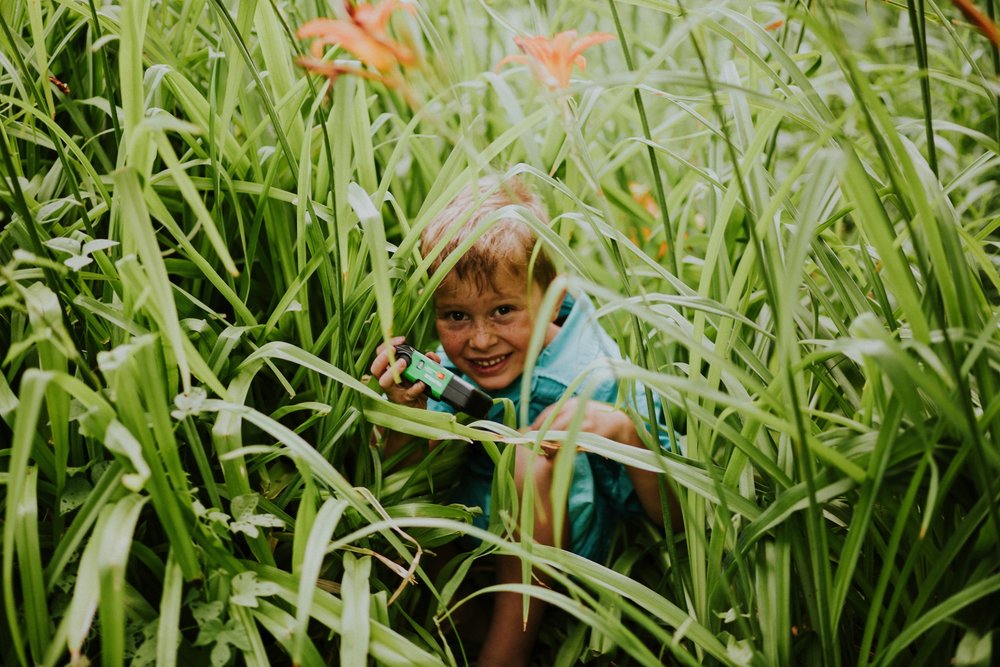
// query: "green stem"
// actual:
[[991, 7], [919, 27], [342, 357], [227, 19], [903, 515], [109, 77], [661, 195]]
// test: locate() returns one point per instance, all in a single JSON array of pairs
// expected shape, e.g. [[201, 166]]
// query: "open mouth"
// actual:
[[490, 364]]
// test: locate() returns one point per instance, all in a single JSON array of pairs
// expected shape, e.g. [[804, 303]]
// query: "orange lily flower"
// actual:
[[642, 196], [362, 34], [332, 70], [553, 59], [981, 21]]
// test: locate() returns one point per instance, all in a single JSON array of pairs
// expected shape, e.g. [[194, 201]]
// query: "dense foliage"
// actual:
[[786, 211]]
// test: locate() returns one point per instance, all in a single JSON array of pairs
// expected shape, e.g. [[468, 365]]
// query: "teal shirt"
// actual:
[[601, 492]]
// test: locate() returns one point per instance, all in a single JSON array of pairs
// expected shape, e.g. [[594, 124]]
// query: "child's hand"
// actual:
[[411, 395], [597, 418]]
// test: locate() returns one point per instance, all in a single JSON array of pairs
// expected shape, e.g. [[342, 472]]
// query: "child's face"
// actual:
[[486, 332]]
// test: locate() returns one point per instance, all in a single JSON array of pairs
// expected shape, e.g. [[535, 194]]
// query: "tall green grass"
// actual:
[[201, 247]]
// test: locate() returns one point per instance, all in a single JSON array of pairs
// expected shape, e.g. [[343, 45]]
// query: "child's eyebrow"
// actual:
[[448, 308]]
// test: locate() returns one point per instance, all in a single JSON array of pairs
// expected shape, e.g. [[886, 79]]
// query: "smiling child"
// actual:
[[485, 312]]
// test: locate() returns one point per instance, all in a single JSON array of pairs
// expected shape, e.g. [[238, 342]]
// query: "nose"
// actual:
[[482, 337]]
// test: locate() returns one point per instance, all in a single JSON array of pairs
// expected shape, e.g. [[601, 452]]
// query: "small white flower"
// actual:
[[79, 249], [189, 403], [114, 358]]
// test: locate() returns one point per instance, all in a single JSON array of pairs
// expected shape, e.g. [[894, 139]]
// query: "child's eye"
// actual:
[[505, 310], [455, 316]]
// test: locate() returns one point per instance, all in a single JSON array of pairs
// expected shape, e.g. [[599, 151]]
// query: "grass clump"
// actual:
[[789, 223]]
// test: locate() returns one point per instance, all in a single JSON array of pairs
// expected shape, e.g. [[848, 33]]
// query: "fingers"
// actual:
[[566, 412], [387, 378], [394, 341], [542, 416], [381, 362], [550, 447], [408, 394], [390, 375], [588, 416], [415, 392]]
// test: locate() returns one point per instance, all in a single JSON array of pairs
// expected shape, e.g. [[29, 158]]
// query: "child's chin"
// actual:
[[492, 382], [497, 381]]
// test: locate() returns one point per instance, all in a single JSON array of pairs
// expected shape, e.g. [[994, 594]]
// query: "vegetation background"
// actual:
[[786, 211]]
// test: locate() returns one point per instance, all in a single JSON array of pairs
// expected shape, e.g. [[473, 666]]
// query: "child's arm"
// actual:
[[412, 395], [604, 420]]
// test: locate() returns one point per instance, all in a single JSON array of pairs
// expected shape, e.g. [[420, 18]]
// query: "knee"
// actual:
[[534, 469]]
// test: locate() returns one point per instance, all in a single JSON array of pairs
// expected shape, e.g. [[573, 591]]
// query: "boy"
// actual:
[[485, 312]]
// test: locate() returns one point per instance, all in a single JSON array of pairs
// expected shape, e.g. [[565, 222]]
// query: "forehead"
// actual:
[[505, 285]]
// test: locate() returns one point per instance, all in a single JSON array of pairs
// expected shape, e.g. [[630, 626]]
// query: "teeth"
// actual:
[[486, 363]]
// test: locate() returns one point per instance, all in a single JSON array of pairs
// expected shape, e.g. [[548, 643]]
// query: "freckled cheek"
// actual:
[[519, 336], [451, 341]]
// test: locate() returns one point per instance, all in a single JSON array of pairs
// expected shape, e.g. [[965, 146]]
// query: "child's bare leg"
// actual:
[[466, 620], [647, 487], [509, 639]]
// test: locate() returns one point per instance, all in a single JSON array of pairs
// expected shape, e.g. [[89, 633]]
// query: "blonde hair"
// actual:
[[507, 245]]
